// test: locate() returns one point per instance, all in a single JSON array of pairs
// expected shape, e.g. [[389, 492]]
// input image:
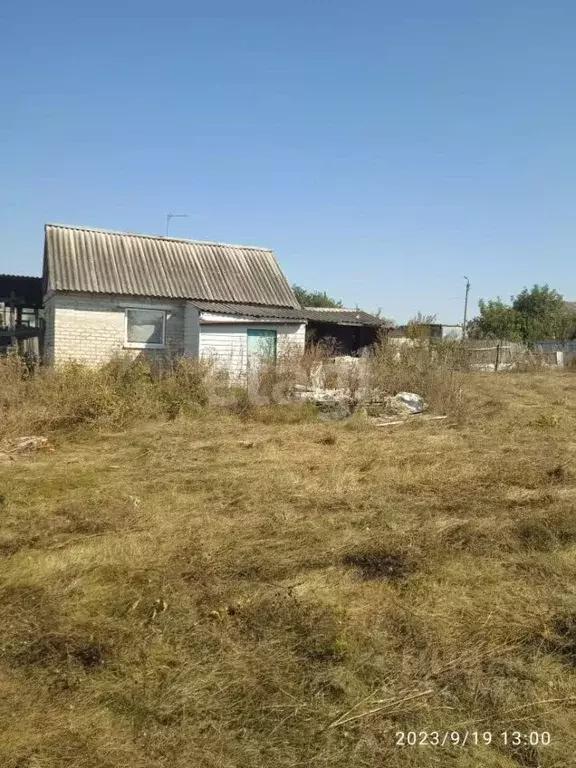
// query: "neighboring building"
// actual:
[[20, 313], [452, 331], [429, 331], [423, 330], [346, 331], [114, 292]]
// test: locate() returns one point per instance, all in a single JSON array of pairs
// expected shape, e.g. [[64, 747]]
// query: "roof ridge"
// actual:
[[157, 237]]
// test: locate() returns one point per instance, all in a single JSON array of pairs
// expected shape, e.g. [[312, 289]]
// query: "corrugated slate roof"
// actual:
[[341, 316], [100, 261], [250, 310]]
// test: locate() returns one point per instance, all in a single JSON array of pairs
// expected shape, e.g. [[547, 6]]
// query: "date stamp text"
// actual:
[[512, 738]]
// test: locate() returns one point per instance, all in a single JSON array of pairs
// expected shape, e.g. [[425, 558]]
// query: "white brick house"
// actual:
[[111, 292]]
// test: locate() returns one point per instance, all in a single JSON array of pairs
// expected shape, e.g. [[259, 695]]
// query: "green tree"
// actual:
[[496, 320], [542, 313], [315, 298], [535, 314]]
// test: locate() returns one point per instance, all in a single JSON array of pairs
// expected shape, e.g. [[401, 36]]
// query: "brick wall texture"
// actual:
[[91, 329]]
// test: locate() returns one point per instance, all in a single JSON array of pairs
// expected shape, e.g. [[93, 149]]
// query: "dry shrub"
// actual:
[[435, 371], [115, 394], [126, 390], [432, 370], [239, 400], [186, 387], [275, 381]]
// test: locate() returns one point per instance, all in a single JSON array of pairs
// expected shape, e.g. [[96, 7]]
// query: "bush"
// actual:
[[433, 371], [116, 394]]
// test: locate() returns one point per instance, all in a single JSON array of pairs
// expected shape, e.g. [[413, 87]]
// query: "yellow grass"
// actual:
[[261, 588]]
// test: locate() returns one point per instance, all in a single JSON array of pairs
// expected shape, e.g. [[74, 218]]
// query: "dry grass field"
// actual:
[[261, 588]]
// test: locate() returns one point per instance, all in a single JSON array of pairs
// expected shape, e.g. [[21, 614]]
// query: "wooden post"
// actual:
[[497, 356]]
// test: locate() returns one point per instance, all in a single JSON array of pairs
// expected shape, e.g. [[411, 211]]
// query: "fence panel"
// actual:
[[564, 352]]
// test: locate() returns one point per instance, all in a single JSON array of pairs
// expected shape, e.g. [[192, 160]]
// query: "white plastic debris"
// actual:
[[409, 402]]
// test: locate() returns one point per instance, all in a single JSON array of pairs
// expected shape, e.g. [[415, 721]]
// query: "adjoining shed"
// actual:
[[343, 331], [20, 313], [108, 292]]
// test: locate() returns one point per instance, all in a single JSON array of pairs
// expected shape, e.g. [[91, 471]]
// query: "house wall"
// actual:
[[49, 325], [191, 330], [227, 343], [90, 329]]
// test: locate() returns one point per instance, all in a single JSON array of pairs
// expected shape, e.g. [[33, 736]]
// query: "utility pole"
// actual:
[[170, 216], [465, 307]]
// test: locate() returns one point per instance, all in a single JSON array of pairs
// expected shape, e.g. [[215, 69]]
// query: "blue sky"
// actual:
[[383, 149]]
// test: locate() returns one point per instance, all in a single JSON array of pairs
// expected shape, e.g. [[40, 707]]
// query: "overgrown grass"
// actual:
[[250, 587], [125, 391], [433, 371], [118, 393]]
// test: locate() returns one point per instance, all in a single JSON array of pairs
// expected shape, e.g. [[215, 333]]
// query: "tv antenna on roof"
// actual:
[[170, 216]]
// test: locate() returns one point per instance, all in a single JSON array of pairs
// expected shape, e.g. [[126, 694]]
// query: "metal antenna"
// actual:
[[170, 216]]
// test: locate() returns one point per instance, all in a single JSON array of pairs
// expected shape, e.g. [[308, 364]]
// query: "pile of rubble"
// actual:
[[336, 403], [340, 403]]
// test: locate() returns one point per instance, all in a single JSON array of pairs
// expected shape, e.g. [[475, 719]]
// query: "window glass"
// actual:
[[145, 326]]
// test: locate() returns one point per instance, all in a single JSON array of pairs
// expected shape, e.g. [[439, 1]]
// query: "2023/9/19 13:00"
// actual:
[[513, 738]]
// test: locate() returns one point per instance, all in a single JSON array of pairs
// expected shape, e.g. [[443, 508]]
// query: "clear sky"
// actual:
[[383, 149]]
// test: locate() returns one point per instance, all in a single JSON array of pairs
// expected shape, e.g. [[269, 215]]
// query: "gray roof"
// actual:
[[570, 307], [251, 310], [343, 316], [87, 260]]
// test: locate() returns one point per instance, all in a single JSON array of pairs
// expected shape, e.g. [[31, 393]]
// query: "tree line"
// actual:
[[536, 314]]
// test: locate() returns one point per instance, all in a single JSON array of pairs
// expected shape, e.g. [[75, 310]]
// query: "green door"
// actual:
[[261, 346]]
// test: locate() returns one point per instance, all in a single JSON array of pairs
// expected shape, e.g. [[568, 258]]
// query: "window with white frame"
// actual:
[[145, 328]]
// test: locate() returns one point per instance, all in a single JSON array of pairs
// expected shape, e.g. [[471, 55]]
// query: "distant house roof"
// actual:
[[570, 307], [338, 316], [82, 259], [24, 291]]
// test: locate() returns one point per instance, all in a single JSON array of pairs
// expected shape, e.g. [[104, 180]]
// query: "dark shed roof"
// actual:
[[337, 316], [100, 261], [23, 290], [250, 310]]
